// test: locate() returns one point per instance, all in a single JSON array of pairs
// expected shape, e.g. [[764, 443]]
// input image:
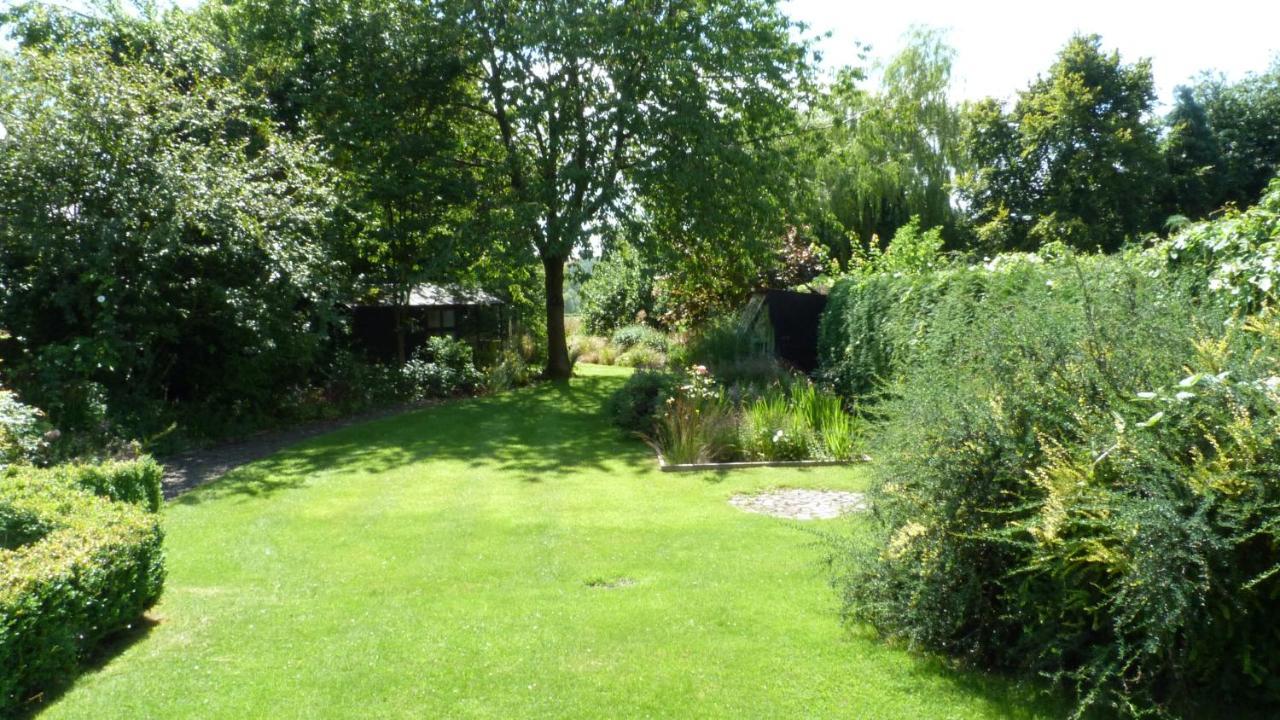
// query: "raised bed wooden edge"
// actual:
[[699, 467]]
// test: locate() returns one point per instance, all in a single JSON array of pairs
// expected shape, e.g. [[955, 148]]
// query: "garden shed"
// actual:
[[787, 321], [476, 316]]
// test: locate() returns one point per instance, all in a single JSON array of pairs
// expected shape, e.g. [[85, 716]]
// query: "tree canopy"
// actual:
[[1069, 160], [888, 155], [158, 244]]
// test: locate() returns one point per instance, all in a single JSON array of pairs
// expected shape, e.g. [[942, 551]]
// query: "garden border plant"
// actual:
[[694, 423]]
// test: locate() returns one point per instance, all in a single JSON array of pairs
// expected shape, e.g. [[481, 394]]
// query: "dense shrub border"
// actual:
[[1077, 476], [85, 566]]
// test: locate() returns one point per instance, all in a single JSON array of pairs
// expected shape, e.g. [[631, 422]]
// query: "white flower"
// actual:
[[777, 437], [1147, 395], [1184, 395], [1272, 382], [102, 299]]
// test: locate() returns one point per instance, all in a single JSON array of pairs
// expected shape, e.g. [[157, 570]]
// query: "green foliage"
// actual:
[[636, 405], [1075, 474], [772, 430], [1242, 116], [137, 482], [887, 156], [641, 356], [801, 421], [21, 431], [382, 84], [631, 336], [508, 373], [912, 250], [86, 567], [160, 249], [1075, 161], [655, 113], [697, 423], [618, 291], [1236, 257], [444, 367], [735, 354], [1194, 158]]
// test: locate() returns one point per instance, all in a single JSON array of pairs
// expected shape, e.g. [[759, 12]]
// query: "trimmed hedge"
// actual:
[[136, 481], [75, 568]]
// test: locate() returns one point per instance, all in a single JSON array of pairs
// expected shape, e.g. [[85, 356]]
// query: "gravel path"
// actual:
[[188, 470], [797, 504]]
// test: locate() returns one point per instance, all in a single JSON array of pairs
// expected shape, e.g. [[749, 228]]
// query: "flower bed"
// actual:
[[696, 423]]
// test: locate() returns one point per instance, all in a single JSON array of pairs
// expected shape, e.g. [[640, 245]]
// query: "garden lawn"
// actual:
[[509, 557]]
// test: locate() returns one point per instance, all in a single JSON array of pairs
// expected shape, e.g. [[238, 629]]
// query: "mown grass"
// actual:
[[502, 558]]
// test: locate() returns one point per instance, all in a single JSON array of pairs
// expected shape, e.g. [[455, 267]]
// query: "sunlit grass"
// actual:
[[510, 557]]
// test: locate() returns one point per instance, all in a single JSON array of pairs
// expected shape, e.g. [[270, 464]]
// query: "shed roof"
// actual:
[[433, 295]]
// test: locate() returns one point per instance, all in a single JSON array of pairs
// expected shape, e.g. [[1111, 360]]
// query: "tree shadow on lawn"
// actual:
[[536, 434], [111, 647]]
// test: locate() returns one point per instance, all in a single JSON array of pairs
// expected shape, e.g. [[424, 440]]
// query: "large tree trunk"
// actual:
[[558, 367]]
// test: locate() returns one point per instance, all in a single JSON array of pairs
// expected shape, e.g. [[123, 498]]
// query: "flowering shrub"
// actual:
[[442, 368], [1236, 256], [21, 436]]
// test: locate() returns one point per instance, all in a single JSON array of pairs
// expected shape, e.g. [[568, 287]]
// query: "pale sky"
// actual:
[[1002, 45]]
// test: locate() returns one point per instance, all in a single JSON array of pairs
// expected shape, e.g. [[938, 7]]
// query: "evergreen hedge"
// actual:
[[75, 567]]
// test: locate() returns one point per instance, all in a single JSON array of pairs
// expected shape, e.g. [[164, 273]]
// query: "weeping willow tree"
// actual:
[[889, 154]]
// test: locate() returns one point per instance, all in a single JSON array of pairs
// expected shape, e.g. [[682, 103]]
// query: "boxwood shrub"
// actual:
[[75, 567], [135, 481]]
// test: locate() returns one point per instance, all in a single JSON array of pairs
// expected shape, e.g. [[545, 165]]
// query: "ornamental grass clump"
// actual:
[[697, 424]]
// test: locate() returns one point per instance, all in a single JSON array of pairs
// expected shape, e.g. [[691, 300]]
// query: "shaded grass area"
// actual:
[[507, 557]]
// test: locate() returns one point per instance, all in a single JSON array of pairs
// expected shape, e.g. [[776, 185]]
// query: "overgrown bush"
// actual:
[[1236, 256], [1076, 478], [618, 291], [74, 569], [196, 283], [630, 336], [508, 373], [442, 368], [21, 431], [635, 406]]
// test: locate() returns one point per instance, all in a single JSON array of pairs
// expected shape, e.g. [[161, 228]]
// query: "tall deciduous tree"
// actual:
[[890, 155], [1193, 157], [381, 83], [1079, 150], [1243, 116], [603, 108]]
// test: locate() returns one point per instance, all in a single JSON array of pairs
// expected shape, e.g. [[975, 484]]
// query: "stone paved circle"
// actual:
[[799, 504]]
